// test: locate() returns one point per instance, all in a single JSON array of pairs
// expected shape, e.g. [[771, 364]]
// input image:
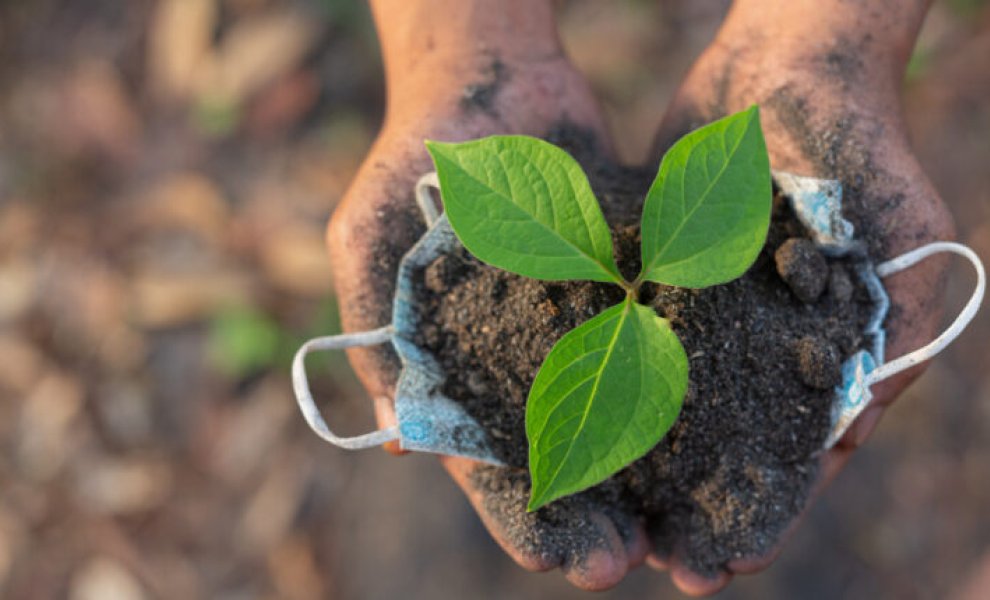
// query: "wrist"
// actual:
[[451, 40], [878, 37]]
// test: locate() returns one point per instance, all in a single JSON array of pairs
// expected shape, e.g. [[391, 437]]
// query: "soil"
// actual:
[[764, 350]]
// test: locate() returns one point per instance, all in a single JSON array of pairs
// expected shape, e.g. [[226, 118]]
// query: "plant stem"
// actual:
[[632, 289]]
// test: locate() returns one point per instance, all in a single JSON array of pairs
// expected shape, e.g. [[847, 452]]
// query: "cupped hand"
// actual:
[[377, 221], [828, 91]]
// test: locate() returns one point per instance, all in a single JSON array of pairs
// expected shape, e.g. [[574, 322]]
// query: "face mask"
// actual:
[[428, 421], [818, 205]]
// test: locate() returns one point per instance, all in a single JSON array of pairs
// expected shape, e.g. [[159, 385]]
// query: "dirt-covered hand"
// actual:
[[827, 80], [452, 90]]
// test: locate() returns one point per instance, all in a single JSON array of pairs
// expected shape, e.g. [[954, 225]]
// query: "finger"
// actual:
[[658, 562], [832, 464], [604, 566], [693, 583], [632, 534], [753, 565], [637, 546], [460, 470], [862, 427], [749, 565], [829, 467], [582, 541]]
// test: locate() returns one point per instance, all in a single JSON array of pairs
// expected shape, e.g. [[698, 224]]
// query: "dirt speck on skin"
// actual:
[[735, 468], [481, 95], [844, 62]]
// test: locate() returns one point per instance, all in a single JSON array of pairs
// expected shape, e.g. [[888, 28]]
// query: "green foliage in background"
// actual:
[[243, 340], [216, 117]]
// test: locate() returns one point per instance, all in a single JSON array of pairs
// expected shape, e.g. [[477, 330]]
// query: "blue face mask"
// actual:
[[428, 421]]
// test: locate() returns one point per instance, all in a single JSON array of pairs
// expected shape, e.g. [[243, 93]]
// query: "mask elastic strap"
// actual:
[[929, 350], [300, 384], [305, 398], [424, 197]]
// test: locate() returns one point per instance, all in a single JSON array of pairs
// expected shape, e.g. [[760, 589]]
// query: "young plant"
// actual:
[[612, 387]]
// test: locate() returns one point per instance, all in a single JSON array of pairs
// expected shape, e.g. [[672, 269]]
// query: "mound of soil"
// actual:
[[764, 350]]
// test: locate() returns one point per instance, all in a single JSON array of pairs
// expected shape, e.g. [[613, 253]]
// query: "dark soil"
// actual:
[[764, 351]]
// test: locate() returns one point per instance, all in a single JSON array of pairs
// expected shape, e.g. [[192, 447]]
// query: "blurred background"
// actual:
[[166, 170]]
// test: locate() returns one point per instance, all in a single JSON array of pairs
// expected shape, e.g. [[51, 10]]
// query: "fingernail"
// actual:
[[658, 563], [385, 415], [637, 547], [599, 570]]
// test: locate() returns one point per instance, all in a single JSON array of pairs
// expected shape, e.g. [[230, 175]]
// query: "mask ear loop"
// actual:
[[300, 383], [424, 198], [929, 350]]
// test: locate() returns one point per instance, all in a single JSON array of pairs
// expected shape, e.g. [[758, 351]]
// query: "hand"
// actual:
[[465, 80], [827, 80]]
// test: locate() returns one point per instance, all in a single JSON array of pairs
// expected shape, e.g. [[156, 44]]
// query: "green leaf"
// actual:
[[606, 394], [706, 215], [525, 206]]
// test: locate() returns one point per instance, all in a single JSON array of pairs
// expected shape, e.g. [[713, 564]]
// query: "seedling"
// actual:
[[612, 387]]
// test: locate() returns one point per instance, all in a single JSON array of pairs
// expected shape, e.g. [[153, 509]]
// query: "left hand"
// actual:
[[532, 89]]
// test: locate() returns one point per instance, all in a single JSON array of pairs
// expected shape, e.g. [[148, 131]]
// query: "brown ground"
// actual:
[[162, 199]]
